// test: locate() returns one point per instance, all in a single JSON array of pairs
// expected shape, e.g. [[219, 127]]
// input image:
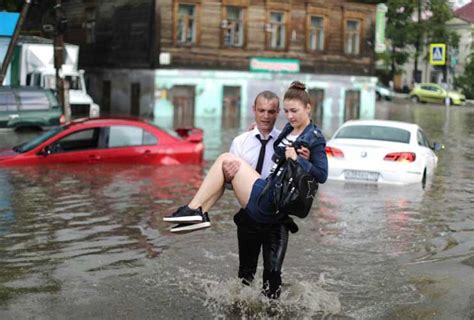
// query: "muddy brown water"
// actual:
[[87, 242]]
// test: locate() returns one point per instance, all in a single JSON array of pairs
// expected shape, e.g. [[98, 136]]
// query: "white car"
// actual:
[[379, 151]]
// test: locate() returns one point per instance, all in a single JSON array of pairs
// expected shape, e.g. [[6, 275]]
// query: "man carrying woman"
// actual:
[[247, 184]]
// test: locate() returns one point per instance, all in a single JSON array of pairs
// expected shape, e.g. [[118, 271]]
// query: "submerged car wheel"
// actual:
[[423, 180], [415, 99]]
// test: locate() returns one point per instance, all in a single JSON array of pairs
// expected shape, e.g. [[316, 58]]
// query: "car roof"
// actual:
[[429, 84], [387, 123], [106, 120]]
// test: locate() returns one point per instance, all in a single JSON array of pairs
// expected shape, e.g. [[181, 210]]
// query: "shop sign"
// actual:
[[274, 65]]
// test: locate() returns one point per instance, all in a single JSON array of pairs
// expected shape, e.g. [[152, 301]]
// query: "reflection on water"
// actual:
[[88, 241]]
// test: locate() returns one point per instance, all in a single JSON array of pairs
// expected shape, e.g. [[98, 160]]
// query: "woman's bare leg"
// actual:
[[212, 187]]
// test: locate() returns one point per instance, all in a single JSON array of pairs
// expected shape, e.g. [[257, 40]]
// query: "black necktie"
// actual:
[[261, 155]]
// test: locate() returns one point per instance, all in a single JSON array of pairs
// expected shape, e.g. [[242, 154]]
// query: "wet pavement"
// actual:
[[87, 242]]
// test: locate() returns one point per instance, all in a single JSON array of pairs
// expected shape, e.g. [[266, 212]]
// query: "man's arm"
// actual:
[[230, 168]]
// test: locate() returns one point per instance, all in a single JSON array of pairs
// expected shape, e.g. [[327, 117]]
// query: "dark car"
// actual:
[[108, 140], [29, 107]]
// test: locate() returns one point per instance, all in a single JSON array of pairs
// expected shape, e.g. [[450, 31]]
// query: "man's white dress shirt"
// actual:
[[247, 147]]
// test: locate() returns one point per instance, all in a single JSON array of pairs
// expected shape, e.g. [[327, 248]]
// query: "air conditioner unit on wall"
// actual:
[[165, 58], [224, 24]]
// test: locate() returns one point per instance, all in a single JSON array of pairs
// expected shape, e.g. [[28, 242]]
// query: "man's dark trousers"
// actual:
[[273, 239]]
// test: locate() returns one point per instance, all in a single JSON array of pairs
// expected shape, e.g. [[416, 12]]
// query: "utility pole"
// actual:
[[58, 43], [14, 40], [417, 44]]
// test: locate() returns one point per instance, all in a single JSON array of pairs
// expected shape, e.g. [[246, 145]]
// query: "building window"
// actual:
[[352, 37], [352, 105], [231, 105], [89, 24], [277, 29], [317, 100], [316, 33], [186, 24], [233, 26]]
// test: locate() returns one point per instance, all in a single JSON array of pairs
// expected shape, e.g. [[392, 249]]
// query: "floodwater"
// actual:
[[87, 242]]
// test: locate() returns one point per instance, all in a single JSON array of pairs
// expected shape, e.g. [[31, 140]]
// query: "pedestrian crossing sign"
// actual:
[[438, 54]]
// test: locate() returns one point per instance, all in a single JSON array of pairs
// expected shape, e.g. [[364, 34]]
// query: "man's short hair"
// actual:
[[267, 95]]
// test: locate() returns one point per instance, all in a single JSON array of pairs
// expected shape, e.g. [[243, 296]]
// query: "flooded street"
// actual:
[[88, 242]]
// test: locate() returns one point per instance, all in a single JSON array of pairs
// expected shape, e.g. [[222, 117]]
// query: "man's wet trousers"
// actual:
[[254, 236]]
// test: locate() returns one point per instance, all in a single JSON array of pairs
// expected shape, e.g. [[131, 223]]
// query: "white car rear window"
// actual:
[[374, 133]]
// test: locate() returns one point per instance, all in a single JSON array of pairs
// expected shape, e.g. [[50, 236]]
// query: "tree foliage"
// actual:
[[404, 31], [466, 81], [400, 32], [10, 5], [435, 28]]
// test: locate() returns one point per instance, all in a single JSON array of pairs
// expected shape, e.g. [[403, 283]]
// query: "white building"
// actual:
[[463, 25]]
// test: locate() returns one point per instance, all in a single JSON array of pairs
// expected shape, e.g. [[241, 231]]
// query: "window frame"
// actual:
[[89, 24], [197, 25], [107, 134], [97, 132], [350, 93], [9, 107], [360, 33], [243, 19], [425, 142], [269, 29], [309, 29], [39, 98]]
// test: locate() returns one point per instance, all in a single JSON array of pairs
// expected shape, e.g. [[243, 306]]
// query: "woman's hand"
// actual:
[[290, 152], [304, 153]]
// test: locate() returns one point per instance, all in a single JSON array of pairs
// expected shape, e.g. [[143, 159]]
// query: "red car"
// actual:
[[108, 140]]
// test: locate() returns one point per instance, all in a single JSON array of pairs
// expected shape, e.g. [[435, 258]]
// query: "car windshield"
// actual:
[[25, 147], [374, 133]]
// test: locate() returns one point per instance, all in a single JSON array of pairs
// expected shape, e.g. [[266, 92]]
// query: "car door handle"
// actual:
[[147, 152], [94, 157], [13, 116]]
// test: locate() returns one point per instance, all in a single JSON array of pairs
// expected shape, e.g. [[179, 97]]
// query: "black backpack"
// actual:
[[292, 189]]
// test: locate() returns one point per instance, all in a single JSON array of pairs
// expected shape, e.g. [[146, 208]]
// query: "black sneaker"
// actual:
[[188, 227], [185, 214]]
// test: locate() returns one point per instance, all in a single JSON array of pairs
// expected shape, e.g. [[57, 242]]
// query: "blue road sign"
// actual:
[[438, 54], [9, 20]]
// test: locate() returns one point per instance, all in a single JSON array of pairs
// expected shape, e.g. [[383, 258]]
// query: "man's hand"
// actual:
[[303, 152], [230, 169]]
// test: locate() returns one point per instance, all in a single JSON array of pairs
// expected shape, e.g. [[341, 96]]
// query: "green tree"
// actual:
[[399, 32], [409, 22], [10, 5], [466, 81], [435, 27]]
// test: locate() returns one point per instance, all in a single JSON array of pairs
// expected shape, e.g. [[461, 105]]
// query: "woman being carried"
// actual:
[[247, 184]]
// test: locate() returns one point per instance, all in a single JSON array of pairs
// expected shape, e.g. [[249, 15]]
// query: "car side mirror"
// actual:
[[437, 146]]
